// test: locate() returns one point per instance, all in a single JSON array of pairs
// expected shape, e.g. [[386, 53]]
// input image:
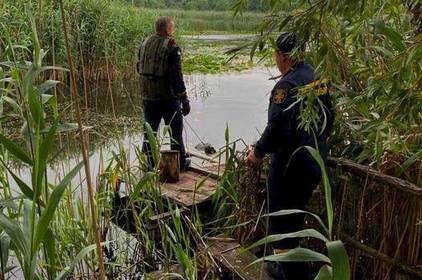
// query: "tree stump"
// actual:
[[169, 166]]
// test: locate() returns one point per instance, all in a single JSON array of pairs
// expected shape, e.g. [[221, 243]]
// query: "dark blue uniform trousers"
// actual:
[[169, 110], [290, 186]]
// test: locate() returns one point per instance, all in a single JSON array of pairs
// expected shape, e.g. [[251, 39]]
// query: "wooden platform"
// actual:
[[193, 188], [229, 256], [235, 262]]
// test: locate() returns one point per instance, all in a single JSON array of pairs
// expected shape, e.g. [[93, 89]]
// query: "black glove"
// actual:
[[185, 107], [185, 103]]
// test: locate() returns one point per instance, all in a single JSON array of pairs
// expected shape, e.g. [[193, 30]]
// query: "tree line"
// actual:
[[217, 5]]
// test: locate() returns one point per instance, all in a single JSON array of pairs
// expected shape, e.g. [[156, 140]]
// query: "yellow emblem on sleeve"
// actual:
[[279, 96], [318, 87]]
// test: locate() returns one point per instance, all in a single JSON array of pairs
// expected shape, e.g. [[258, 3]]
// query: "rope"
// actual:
[[194, 132]]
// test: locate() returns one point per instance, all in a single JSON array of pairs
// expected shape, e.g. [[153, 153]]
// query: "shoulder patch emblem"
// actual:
[[279, 96]]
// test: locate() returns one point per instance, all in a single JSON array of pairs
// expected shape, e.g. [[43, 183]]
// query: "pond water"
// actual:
[[237, 100]]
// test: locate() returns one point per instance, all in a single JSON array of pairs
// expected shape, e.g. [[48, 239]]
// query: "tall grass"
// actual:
[[104, 35], [213, 21], [28, 220]]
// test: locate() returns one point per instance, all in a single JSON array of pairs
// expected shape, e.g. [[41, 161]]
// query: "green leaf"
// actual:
[[327, 187], [48, 213], [46, 86], [42, 154], [5, 246], [10, 203], [395, 38], [383, 50], [46, 98], [411, 160], [25, 189], [298, 234], [153, 144], [297, 211], [15, 150], [35, 107], [50, 245], [325, 273], [12, 103], [13, 230], [295, 255], [339, 259]]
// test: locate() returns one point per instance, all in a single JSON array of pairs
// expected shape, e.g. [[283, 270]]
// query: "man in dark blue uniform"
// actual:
[[293, 174], [162, 85]]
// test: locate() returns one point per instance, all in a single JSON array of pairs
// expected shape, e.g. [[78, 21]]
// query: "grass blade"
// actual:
[[298, 234], [15, 150], [153, 143], [325, 273], [25, 189], [340, 260], [297, 211], [14, 231], [42, 157], [295, 255], [327, 187]]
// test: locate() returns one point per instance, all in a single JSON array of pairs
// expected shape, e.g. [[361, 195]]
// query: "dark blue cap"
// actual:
[[286, 42]]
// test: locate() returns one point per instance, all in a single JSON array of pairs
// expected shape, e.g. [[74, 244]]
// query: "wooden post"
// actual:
[[169, 166]]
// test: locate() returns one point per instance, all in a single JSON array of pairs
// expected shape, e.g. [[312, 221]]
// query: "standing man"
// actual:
[[162, 86], [293, 174]]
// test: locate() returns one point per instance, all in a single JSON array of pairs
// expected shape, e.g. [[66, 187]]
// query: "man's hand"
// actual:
[[185, 107], [252, 159], [183, 97]]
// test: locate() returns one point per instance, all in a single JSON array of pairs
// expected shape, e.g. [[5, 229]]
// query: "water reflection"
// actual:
[[238, 100]]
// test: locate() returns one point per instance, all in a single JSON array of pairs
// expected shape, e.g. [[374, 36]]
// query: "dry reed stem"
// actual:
[[84, 149], [383, 219], [250, 203]]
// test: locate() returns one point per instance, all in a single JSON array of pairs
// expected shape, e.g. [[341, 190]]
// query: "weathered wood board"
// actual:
[[228, 254], [192, 188]]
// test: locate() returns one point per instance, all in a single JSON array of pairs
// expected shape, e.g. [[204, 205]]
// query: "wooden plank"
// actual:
[[228, 254], [194, 187], [191, 189], [163, 275], [165, 215]]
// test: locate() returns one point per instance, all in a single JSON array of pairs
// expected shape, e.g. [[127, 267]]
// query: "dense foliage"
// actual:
[[105, 34], [371, 51]]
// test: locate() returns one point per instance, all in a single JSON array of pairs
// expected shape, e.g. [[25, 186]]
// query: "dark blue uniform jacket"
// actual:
[[281, 135]]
